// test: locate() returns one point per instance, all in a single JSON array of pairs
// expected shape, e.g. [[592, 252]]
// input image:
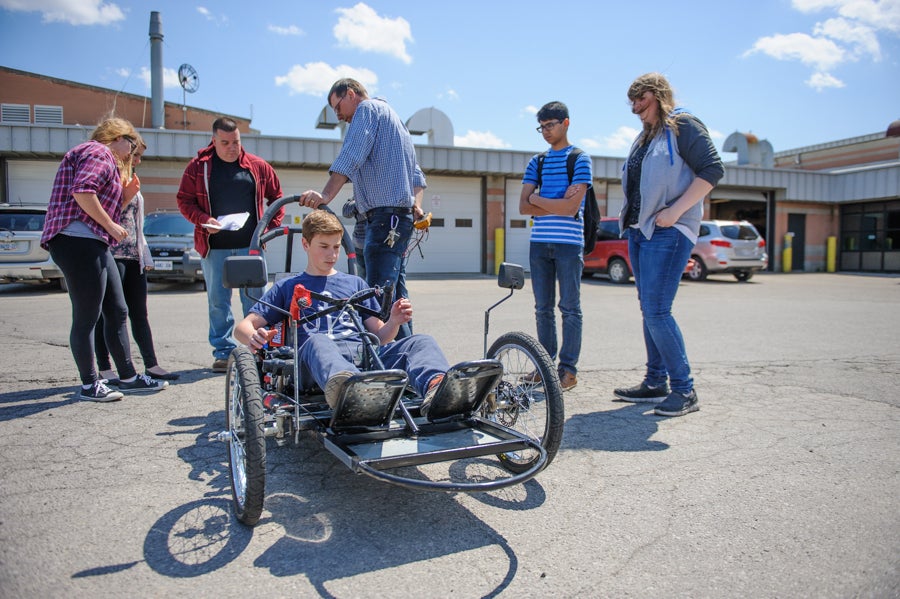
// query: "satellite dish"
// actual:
[[188, 78]]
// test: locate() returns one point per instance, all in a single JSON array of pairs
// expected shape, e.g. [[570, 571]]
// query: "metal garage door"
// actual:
[[518, 227], [30, 181], [454, 240]]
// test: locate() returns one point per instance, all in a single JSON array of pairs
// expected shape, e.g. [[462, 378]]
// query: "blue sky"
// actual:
[[795, 73]]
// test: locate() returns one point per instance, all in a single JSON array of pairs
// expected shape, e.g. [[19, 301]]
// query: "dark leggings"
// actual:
[[87, 264], [134, 286]]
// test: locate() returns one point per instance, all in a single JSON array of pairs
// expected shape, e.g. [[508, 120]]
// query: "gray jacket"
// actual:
[[668, 169]]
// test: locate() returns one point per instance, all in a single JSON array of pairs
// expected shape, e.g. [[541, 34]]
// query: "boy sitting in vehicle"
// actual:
[[330, 347]]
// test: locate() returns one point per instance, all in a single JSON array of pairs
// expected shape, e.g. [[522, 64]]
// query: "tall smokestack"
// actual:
[[158, 113]]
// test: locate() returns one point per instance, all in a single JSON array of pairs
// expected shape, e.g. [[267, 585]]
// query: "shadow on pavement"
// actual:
[[626, 429], [326, 523]]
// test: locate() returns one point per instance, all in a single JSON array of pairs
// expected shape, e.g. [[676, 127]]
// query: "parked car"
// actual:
[[22, 259], [610, 254], [171, 240], [727, 246]]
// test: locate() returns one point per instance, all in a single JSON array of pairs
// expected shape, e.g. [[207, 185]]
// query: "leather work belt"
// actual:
[[387, 210]]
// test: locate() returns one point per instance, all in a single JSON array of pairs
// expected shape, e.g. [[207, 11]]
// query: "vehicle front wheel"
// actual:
[[699, 271], [743, 275], [528, 399], [246, 435], [618, 271]]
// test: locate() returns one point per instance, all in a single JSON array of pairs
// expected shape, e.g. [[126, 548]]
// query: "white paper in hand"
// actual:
[[230, 222]]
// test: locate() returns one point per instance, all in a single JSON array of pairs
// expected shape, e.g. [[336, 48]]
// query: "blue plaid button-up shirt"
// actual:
[[379, 158]]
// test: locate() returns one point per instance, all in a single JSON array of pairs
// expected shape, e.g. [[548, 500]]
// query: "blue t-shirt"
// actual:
[[337, 325], [553, 228]]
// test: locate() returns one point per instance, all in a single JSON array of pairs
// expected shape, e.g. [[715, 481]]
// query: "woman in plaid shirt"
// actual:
[[82, 222]]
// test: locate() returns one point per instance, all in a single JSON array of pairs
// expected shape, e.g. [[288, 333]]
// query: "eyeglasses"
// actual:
[[131, 141], [336, 106], [548, 126]]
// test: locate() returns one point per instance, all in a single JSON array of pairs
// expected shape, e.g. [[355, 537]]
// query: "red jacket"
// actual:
[[193, 193]]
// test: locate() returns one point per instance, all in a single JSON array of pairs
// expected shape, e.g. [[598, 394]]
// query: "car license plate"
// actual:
[[11, 246], [162, 264], [745, 252]]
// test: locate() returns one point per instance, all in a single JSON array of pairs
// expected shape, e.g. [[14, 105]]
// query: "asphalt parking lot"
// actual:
[[786, 483]]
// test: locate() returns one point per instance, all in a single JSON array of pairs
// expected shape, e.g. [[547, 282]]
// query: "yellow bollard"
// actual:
[[831, 254], [499, 249], [787, 256]]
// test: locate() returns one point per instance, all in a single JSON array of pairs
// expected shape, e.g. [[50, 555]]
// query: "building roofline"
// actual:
[[107, 90]]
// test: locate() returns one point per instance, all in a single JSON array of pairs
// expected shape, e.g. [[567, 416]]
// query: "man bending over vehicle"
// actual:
[[331, 346]]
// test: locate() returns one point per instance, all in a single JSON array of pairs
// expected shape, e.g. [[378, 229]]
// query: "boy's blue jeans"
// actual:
[[563, 263], [321, 357]]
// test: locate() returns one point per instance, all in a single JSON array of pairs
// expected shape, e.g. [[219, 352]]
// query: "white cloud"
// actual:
[[879, 14], [821, 81], [862, 37], [316, 78], [450, 94], [813, 51], [361, 27], [850, 36], [289, 30], [218, 20], [715, 134], [479, 139], [530, 110], [621, 138], [170, 77], [73, 12]]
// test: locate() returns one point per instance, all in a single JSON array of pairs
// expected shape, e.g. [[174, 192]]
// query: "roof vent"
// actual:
[[893, 129], [433, 122], [750, 150]]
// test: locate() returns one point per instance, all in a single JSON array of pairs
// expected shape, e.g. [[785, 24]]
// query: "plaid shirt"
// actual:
[[87, 168], [379, 158]]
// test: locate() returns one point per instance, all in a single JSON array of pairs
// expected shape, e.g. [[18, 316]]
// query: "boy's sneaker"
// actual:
[[100, 392], [334, 386], [643, 393], [678, 404], [567, 380], [142, 384], [430, 393]]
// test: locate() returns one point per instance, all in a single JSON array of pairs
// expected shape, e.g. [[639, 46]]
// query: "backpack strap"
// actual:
[[570, 164]]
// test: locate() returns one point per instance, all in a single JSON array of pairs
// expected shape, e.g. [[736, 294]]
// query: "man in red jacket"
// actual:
[[224, 180]]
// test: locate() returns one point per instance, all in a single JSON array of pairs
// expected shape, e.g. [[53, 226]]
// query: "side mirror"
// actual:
[[245, 271], [511, 276]]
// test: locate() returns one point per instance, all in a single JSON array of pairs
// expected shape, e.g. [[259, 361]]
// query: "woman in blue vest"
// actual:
[[671, 167]]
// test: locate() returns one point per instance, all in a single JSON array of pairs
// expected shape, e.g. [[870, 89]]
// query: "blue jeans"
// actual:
[[419, 355], [221, 320], [658, 264], [562, 263], [386, 263]]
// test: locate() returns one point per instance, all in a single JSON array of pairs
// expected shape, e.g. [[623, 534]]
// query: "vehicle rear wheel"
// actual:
[[528, 399], [699, 271], [618, 271], [246, 436], [743, 275]]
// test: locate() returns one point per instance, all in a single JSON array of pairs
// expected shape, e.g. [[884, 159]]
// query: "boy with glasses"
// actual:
[[555, 204]]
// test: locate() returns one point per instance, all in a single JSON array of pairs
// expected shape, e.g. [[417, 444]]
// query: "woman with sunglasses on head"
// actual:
[[89, 192], [671, 167], [133, 259]]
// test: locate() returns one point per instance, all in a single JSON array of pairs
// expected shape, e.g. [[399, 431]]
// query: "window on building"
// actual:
[[870, 237]]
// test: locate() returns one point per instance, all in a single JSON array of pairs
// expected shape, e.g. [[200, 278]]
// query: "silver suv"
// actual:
[[728, 246], [22, 259], [171, 240]]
